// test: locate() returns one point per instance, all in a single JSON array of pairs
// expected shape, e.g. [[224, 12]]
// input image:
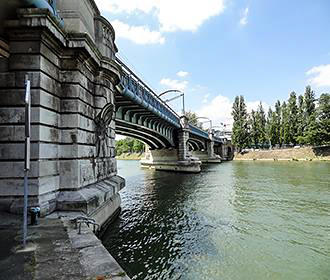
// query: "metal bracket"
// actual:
[[78, 221]]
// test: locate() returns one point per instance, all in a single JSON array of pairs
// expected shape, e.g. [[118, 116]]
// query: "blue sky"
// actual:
[[217, 49]]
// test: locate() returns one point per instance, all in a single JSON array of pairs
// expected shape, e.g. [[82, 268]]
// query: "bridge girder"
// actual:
[[159, 140]]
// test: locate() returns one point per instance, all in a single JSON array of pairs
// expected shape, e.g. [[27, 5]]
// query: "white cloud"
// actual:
[[182, 74], [205, 98], [253, 105], [125, 6], [187, 15], [174, 84], [243, 21], [172, 15], [321, 75], [220, 108], [138, 34]]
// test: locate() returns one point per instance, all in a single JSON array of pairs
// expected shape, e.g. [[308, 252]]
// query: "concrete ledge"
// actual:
[[94, 258], [176, 166], [281, 159], [99, 201], [54, 250], [211, 160]]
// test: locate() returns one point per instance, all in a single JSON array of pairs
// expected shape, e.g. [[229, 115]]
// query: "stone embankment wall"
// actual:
[[131, 156], [304, 153]]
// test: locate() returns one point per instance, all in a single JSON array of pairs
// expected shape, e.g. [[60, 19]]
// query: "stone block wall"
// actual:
[[73, 78], [183, 138], [78, 16], [210, 149]]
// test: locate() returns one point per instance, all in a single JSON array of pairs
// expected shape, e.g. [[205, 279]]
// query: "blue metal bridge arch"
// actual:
[[142, 114]]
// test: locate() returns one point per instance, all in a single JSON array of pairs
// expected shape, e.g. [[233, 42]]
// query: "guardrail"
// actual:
[[198, 131], [140, 92], [144, 95]]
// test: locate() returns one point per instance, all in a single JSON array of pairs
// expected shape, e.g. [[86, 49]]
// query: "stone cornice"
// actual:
[[36, 18], [110, 67], [92, 2], [107, 24]]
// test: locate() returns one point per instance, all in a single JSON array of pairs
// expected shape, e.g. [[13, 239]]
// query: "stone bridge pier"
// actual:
[[207, 155], [73, 83], [225, 150], [174, 158]]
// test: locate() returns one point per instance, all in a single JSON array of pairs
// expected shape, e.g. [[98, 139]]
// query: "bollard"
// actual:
[[35, 214]]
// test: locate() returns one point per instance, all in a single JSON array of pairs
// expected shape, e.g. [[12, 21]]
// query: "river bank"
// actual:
[[321, 153], [130, 156]]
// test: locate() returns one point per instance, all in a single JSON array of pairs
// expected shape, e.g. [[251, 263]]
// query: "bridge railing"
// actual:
[[198, 131], [140, 89], [218, 139], [131, 81]]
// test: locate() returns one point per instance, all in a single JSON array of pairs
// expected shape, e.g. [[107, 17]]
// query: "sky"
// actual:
[[214, 50]]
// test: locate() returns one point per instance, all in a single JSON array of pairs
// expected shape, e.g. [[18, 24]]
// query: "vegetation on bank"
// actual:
[[129, 146], [193, 119], [302, 120]]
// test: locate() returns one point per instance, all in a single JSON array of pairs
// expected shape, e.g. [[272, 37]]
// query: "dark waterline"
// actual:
[[237, 220]]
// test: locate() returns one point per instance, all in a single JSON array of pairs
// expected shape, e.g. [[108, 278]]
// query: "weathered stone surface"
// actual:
[[168, 159], [92, 199], [204, 157], [70, 84], [78, 16]]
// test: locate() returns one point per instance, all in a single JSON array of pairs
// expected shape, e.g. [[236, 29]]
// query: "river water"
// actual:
[[236, 220]]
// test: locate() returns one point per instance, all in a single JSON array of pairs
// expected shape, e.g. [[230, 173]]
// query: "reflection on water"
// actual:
[[235, 220]]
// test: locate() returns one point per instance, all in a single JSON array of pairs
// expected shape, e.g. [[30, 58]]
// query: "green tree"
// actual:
[[271, 127], [261, 119], [240, 136], [323, 113], [285, 129], [307, 118], [192, 117], [301, 118], [292, 118], [311, 132], [129, 145], [310, 115], [138, 146], [309, 102], [278, 116], [254, 129]]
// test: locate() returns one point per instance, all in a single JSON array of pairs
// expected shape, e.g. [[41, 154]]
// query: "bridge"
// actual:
[[140, 113], [82, 95]]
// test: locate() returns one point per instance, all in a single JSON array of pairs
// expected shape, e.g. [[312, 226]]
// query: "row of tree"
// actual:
[[129, 145], [301, 120]]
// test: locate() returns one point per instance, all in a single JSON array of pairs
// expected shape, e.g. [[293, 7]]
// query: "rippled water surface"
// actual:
[[236, 220]]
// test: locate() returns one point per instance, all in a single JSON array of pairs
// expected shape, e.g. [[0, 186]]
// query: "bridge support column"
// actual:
[[73, 165], [177, 160], [183, 146], [209, 155], [226, 150]]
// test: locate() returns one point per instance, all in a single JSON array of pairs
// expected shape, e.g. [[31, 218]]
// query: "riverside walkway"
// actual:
[[55, 250]]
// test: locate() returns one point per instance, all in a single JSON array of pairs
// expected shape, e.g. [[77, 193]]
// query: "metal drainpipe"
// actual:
[[44, 4]]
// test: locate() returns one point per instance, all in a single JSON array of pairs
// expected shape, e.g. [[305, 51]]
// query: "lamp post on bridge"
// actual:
[[181, 94], [207, 120], [221, 126]]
